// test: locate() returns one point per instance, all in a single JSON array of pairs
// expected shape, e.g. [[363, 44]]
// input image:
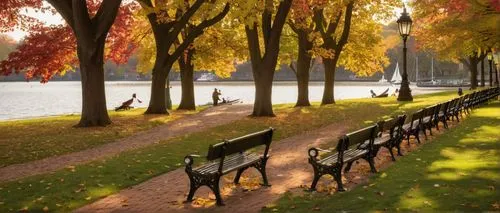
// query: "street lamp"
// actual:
[[404, 25], [490, 59], [497, 62]]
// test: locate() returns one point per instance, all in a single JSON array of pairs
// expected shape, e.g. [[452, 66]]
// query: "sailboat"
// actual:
[[396, 77], [382, 80]]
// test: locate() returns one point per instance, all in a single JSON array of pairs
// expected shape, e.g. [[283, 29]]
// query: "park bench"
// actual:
[[413, 127], [228, 156], [390, 135], [443, 115], [429, 118], [351, 147]]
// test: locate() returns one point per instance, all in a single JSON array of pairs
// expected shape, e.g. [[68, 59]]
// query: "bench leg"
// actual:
[[261, 167], [192, 190], [398, 146], [372, 164], [316, 178], [337, 175], [418, 136], [348, 167], [392, 154], [238, 175], [214, 185]]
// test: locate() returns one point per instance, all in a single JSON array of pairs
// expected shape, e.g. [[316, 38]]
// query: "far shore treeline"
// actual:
[[147, 38]]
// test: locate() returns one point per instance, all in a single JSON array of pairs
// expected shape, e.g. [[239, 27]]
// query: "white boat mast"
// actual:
[[432, 69], [416, 68]]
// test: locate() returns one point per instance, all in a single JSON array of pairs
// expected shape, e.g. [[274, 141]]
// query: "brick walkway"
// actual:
[[209, 118], [287, 169]]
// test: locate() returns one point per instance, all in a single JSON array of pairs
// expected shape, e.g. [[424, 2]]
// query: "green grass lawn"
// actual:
[[32, 139], [76, 186], [458, 171]]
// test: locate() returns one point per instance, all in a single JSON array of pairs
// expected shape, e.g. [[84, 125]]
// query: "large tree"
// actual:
[[264, 21], [460, 30], [168, 19], [50, 49]]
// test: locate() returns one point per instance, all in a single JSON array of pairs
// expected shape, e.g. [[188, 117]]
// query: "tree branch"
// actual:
[[105, 17], [181, 23], [198, 30], [253, 44], [266, 21], [347, 24], [319, 18], [65, 9], [83, 25], [332, 26]]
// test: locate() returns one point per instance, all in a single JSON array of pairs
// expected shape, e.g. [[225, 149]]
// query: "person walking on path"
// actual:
[[215, 96]]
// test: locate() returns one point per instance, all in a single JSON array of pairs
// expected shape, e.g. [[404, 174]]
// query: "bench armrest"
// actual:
[[314, 152], [189, 159]]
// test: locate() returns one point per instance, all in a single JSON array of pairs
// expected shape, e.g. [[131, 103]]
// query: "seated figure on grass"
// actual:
[[126, 105]]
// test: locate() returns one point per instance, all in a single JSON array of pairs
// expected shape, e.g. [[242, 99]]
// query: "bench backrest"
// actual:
[[444, 107], [437, 108], [417, 116], [241, 144], [355, 139]]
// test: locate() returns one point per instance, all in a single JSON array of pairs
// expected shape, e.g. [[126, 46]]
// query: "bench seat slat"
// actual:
[[231, 163], [349, 155], [382, 140]]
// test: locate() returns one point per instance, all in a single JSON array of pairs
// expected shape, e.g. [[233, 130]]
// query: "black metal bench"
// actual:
[[351, 147], [413, 127], [390, 135], [228, 156]]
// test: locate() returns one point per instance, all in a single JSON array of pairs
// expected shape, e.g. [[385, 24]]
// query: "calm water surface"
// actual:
[[32, 99]]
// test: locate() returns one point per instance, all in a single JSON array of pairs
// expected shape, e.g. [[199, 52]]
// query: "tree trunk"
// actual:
[[263, 94], [302, 71], [94, 111], [187, 82], [157, 103], [473, 73], [328, 95], [482, 73], [168, 98]]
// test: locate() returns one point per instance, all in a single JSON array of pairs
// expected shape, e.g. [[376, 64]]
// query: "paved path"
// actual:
[[288, 169], [193, 123]]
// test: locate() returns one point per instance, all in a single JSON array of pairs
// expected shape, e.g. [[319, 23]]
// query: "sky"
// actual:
[[50, 18]]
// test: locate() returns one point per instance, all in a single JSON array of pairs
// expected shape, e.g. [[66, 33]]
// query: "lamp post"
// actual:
[[496, 57], [490, 59], [404, 25]]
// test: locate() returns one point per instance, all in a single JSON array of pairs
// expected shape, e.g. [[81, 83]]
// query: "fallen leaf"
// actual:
[[88, 198], [380, 193], [436, 185], [316, 209], [427, 203], [496, 206], [45, 209]]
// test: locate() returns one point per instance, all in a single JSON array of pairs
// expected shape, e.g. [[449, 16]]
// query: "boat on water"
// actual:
[[383, 80], [396, 77], [207, 77]]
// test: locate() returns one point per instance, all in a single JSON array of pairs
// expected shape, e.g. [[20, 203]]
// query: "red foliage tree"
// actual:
[[49, 50]]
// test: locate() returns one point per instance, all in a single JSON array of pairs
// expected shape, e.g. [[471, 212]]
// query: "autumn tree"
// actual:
[[459, 30], [168, 19], [264, 21], [217, 50], [350, 34], [51, 49], [301, 24]]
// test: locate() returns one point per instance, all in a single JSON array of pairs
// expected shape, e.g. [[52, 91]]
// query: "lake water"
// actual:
[[32, 99]]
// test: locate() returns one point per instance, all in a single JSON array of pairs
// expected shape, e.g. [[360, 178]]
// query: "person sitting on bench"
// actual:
[[126, 105]]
